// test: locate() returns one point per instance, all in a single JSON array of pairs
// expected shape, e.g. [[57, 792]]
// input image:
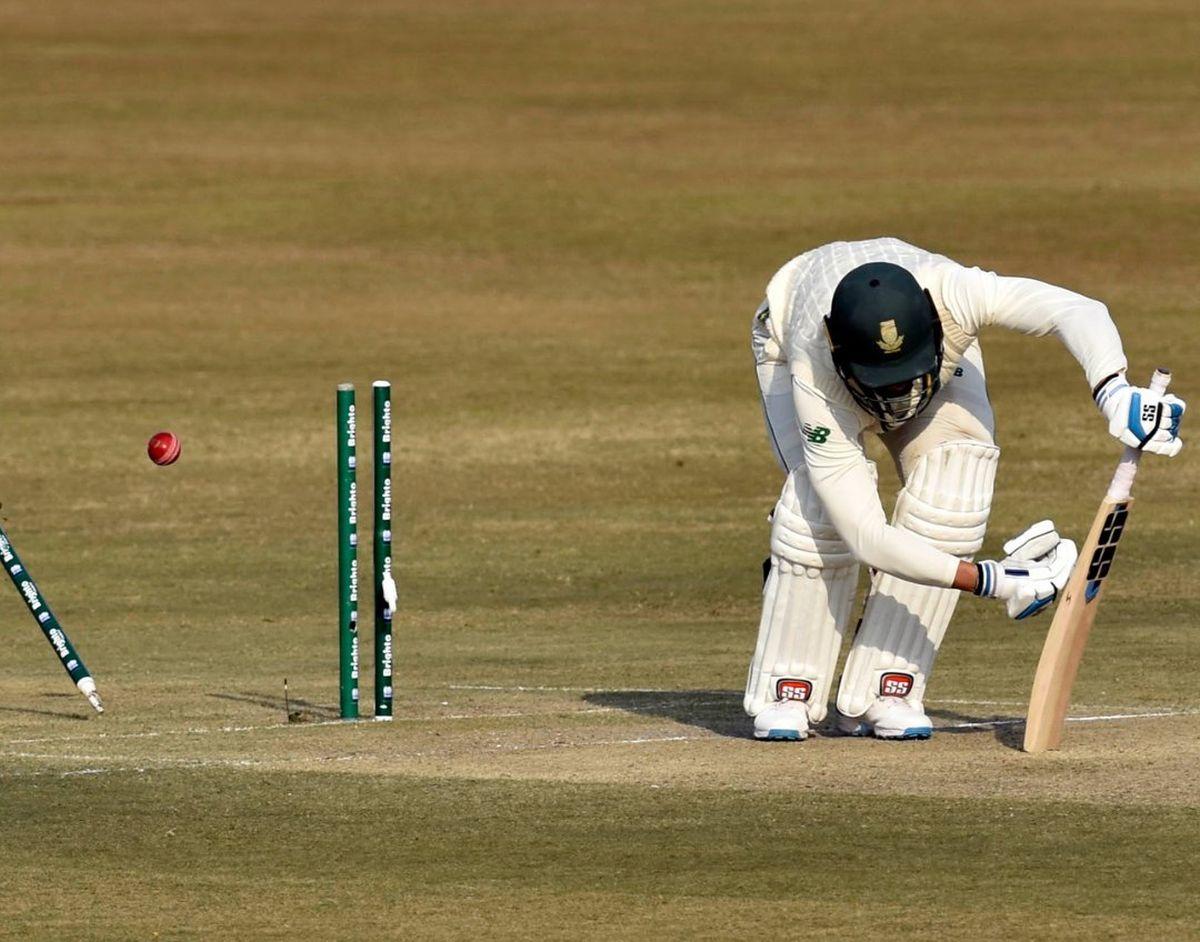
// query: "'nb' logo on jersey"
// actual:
[[817, 434]]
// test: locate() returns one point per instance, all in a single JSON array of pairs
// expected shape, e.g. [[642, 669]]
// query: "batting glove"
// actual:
[[1037, 566], [1141, 418]]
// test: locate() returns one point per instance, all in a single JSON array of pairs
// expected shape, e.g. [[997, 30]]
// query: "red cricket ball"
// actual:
[[164, 448]]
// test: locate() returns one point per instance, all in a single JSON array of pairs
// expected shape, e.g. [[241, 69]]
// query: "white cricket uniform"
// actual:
[[815, 423]]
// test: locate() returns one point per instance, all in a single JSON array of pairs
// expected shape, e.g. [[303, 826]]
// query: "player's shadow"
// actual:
[[1009, 731], [718, 711]]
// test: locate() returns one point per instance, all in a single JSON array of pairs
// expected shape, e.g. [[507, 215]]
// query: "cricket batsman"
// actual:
[[880, 336]]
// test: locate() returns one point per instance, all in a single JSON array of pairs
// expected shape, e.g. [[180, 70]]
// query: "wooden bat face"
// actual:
[[1070, 628]]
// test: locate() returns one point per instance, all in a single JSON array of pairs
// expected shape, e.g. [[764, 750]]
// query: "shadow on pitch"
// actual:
[[1009, 731], [57, 714], [277, 704], [718, 711]]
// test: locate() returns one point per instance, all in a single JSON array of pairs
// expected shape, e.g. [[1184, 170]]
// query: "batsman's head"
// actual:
[[886, 340]]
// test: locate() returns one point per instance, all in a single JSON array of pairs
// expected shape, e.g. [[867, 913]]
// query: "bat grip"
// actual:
[[1122, 479]]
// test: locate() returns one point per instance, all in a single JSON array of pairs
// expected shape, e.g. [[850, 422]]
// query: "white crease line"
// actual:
[[208, 731], [1131, 716], [521, 689], [222, 730], [149, 765], [168, 759], [433, 718], [1021, 703], [187, 731], [135, 764], [145, 765], [987, 724], [602, 742]]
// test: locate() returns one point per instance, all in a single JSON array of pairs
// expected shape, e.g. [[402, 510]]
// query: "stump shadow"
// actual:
[[277, 703], [57, 714]]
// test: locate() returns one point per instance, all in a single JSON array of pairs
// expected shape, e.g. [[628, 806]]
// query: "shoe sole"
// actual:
[[913, 732], [863, 731], [781, 735]]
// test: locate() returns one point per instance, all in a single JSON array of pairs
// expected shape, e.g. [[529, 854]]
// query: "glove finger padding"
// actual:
[[1028, 586], [1037, 541], [1044, 582]]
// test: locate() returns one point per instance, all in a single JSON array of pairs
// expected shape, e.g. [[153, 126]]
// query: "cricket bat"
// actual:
[[1077, 608]]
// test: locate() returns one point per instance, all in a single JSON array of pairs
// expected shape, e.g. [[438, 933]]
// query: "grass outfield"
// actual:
[[548, 223], [520, 861]]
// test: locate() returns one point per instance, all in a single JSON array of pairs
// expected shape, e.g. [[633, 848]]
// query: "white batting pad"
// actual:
[[806, 604], [946, 500]]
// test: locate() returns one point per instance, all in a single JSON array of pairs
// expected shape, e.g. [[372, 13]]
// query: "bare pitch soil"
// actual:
[[667, 739], [547, 224]]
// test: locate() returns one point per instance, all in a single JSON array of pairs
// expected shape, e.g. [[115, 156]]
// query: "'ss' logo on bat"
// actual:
[[1106, 549]]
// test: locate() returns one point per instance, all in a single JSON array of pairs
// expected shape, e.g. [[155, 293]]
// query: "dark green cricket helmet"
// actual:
[[886, 339]]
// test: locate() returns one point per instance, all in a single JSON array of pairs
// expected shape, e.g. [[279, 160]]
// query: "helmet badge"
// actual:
[[890, 339]]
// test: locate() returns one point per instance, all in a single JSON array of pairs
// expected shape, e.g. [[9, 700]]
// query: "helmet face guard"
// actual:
[[898, 403], [885, 337]]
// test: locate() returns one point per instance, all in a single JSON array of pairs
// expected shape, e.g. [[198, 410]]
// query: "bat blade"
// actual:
[[1069, 630]]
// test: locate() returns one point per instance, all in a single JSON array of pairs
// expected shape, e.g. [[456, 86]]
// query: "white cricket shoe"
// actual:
[[783, 719], [889, 718]]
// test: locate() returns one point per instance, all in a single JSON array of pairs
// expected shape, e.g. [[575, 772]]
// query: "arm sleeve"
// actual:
[[977, 298], [839, 472]]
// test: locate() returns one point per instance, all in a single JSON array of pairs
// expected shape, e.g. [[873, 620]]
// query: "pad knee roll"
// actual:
[[807, 600], [801, 533], [946, 501], [948, 496]]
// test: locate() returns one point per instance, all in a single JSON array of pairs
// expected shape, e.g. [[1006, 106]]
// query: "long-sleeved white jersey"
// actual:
[[967, 299]]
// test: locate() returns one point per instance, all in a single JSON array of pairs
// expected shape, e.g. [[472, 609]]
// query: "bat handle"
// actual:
[[1160, 380], [1122, 480]]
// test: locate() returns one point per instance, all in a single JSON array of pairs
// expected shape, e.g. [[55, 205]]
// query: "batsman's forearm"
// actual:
[[967, 577], [899, 552], [848, 494]]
